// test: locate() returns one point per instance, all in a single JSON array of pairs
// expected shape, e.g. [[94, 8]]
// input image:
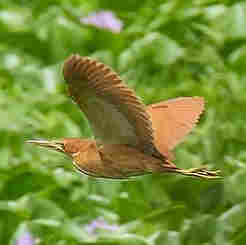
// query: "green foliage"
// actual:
[[166, 49]]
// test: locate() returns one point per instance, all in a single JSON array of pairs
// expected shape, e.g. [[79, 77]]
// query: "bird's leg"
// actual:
[[201, 172]]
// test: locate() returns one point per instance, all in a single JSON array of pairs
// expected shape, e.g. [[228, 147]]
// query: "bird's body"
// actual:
[[130, 138], [114, 161]]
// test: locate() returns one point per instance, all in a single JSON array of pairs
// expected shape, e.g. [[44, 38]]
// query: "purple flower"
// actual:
[[25, 239], [103, 19], [100, 224]]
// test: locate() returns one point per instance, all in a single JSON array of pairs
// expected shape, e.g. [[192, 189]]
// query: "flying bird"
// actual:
[[131, 139]]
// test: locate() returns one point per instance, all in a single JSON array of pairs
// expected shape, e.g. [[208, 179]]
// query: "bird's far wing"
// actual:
[[115, 114], [173, 119]]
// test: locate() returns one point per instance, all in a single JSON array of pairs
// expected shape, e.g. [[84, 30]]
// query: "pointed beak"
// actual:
[[56, 145]]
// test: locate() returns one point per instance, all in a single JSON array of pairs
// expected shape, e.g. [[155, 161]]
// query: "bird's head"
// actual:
[[72, 147]]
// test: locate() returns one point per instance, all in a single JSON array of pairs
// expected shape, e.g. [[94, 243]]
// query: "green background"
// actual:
[[165, 50]]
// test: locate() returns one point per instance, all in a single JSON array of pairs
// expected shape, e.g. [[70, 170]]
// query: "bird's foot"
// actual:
[[201, 172]]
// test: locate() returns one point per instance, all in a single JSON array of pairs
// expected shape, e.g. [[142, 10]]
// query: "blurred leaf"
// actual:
[[237, 58], [41, 208], [170, 237], [124, 239], [233, 219], [159, 48], [240, 238], [172, 217], [200, 230], [235, 22], [236, 185]]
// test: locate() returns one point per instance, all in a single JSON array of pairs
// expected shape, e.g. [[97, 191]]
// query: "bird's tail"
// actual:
[[201, 172]]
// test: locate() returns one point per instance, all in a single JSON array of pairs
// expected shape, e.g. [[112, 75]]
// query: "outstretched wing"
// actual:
[[173, 119], [115, 114]]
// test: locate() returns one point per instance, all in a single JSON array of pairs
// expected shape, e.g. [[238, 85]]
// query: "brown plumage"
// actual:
[[130, 138]]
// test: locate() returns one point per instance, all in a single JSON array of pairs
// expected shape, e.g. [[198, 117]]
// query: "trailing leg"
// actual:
[[201, 172]]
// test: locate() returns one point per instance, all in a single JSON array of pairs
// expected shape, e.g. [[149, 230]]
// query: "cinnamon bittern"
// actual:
[[131, 139]]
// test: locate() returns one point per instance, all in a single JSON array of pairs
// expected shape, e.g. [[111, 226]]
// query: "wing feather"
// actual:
[[173, 119], [116, 115]]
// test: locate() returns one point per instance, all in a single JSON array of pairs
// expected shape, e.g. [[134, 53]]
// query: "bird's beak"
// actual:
[[56, 145]]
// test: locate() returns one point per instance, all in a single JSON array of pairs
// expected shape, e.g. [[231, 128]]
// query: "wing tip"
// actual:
[[202, 102], [199, 98], [71, 62], [88, 69]]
